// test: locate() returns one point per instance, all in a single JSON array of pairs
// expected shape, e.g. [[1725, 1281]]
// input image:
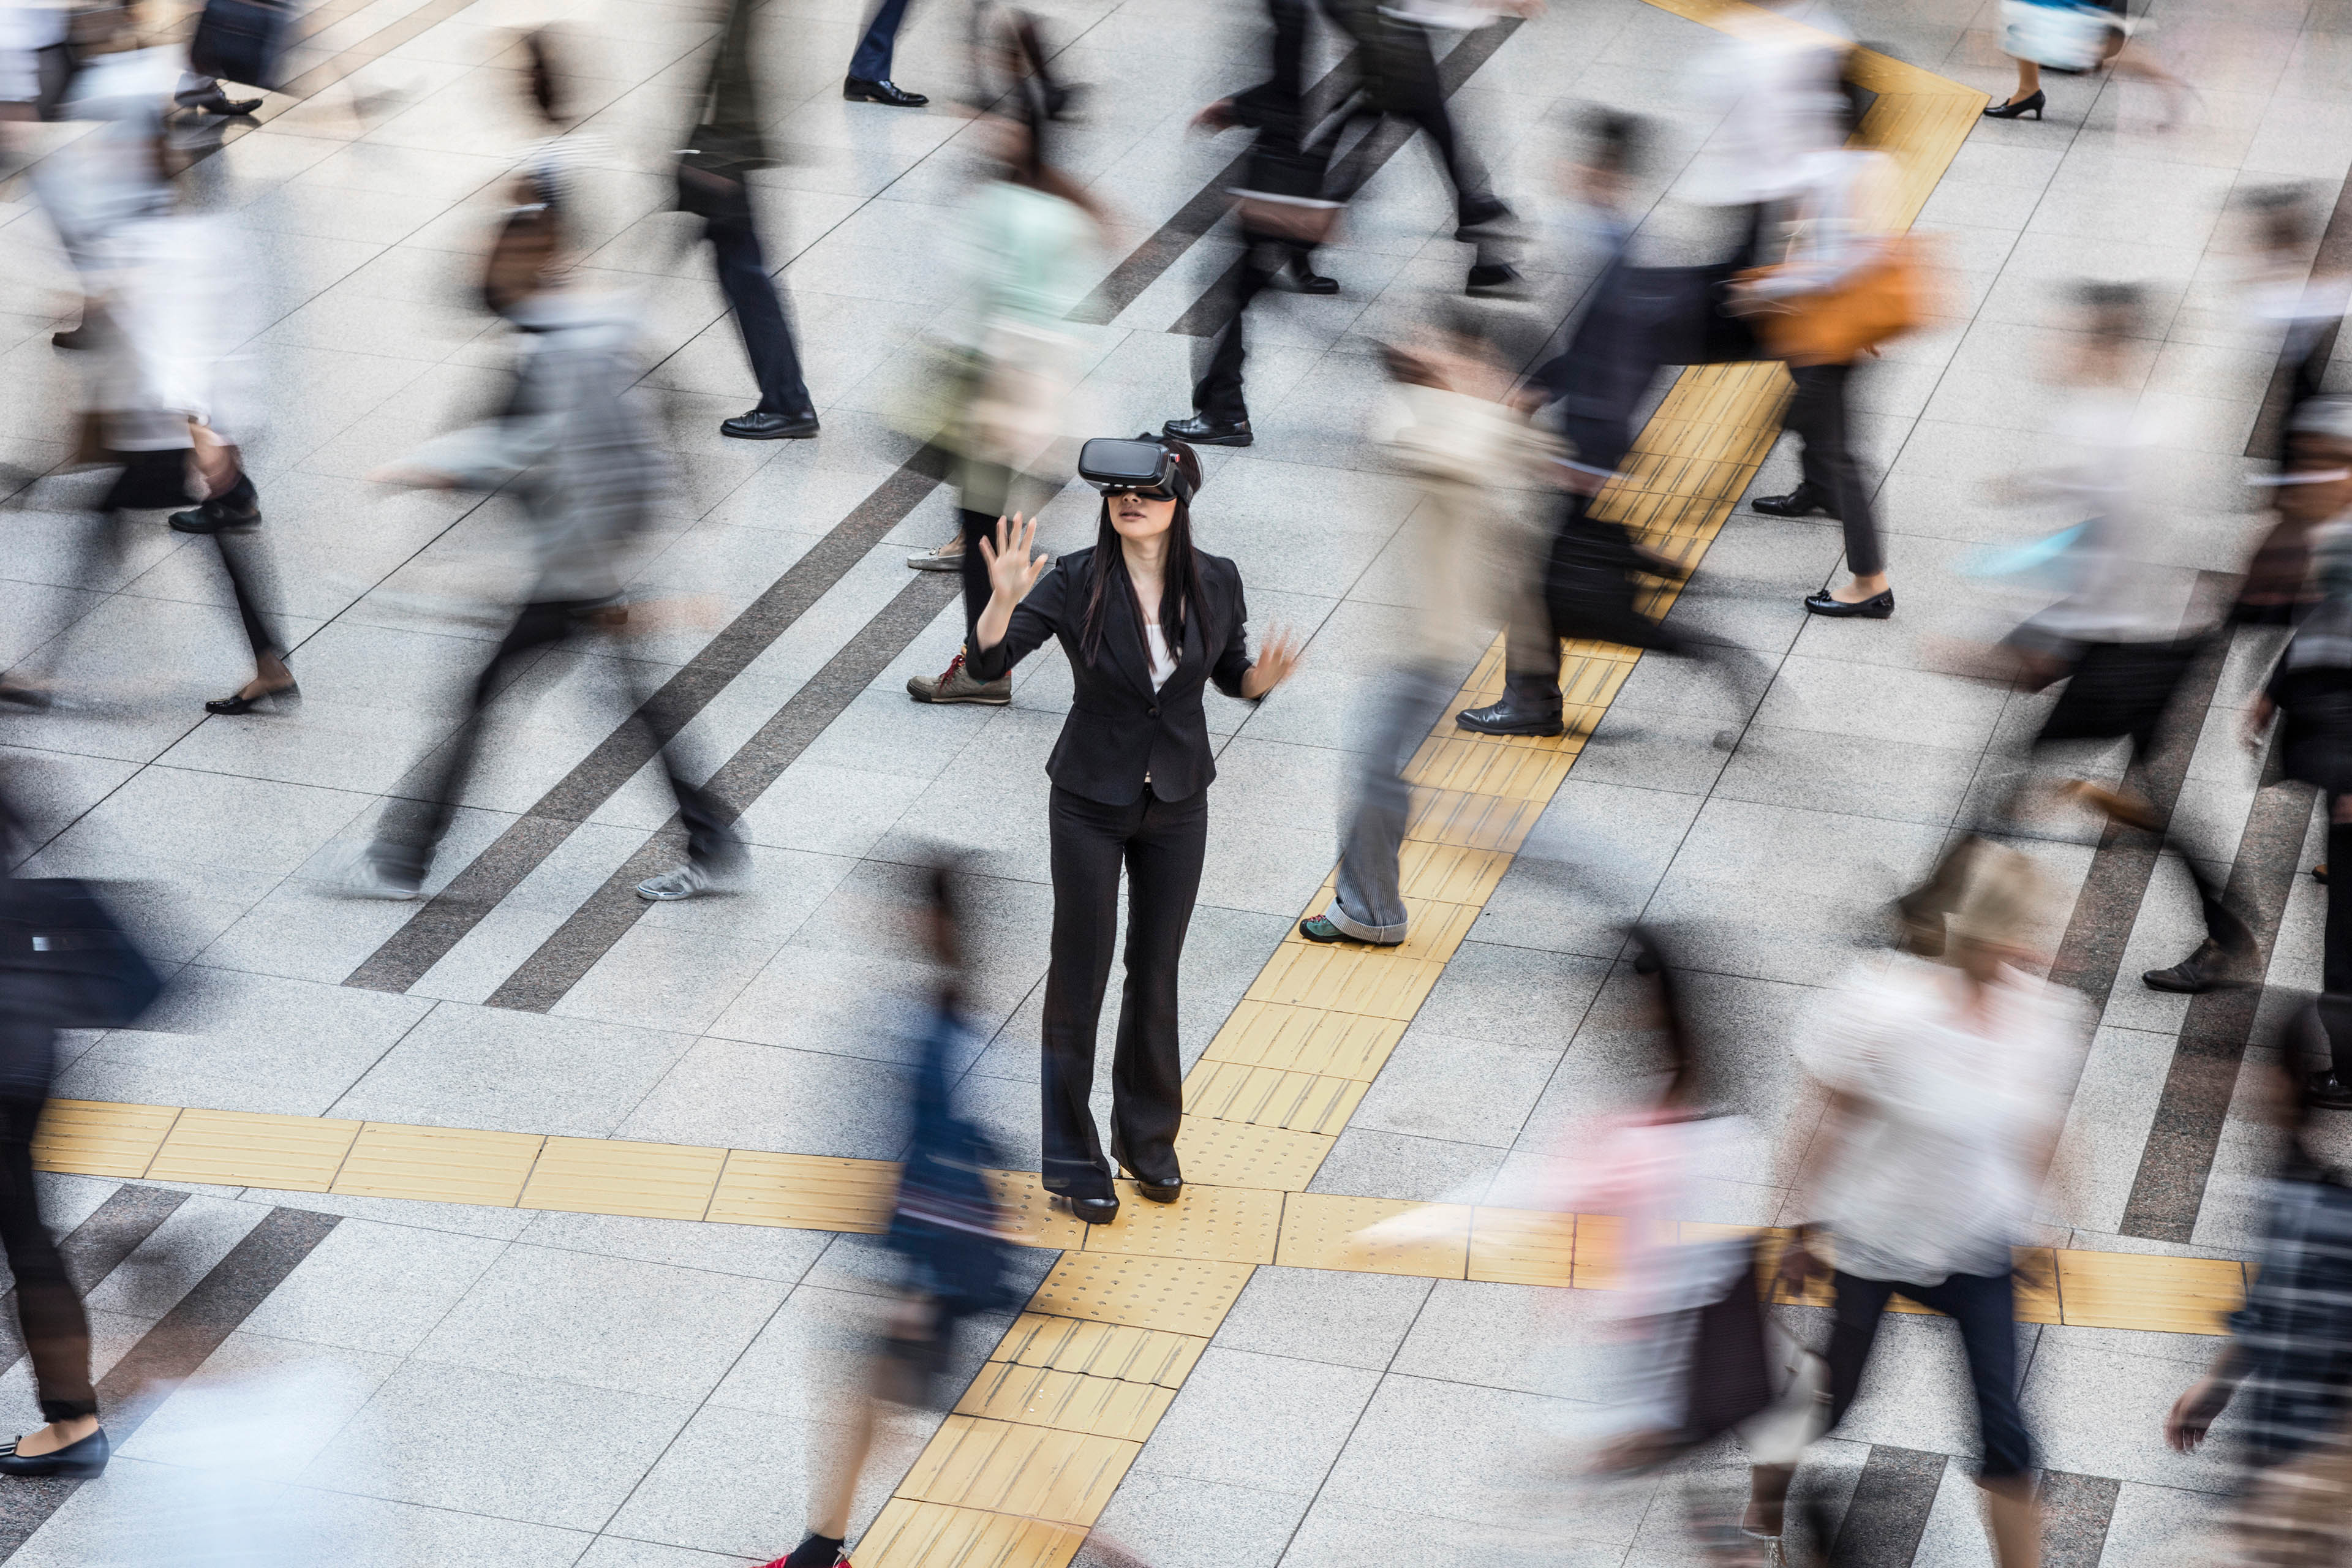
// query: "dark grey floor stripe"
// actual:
[[2168, 1191], [1889, 1511], [1209, 312], [96, 1248], [173, 1349], [2074, 1514], [443, 921], [592, 929], [2107, 907]]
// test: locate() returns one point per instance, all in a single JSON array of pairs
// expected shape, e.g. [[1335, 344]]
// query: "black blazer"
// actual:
[[1119, 729]]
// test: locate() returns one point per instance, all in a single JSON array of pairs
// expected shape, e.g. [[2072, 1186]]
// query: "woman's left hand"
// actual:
[[1275, 660]]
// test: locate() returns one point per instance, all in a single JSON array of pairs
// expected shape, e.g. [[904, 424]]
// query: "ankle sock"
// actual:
[[817, 1551]]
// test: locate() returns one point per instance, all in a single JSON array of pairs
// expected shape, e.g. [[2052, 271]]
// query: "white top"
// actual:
[[1937, 1175], [2133, 576], [1775, 82], [1844, 211], [1155, 643]]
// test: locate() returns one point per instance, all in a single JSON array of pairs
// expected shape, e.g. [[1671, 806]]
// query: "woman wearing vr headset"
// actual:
[[1147, 621]]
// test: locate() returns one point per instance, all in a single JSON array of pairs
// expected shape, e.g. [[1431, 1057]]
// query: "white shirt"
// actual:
[[1936, 1175], [1155, 643], [1775, 82]]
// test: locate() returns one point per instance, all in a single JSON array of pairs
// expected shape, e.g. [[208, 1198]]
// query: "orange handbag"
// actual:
[[1837, 325]]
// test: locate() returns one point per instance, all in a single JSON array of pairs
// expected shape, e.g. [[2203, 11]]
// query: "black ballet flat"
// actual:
[[1166, 1191], [82, 1461], [1094, 1211], [2029, 104], [1878, 607], [277, 700]]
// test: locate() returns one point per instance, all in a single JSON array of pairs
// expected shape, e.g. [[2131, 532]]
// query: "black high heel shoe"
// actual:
[[1094, 1211], [2029, 104], [83, 1459], [1166, 1191], [277, 700]]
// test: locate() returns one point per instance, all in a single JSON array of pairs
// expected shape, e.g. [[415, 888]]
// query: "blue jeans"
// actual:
[[872, 60]]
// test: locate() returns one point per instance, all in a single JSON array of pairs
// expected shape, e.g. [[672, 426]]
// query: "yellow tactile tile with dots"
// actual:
[[1211, 1224], [1172, 1295], [1239, 1154]]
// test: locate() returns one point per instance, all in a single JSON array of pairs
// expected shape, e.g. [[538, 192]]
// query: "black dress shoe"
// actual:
[[858, 90], [1306, 281], [277, 700], [761, 426], [1094, 1211], [1878, 607], [1317, 928], [2327, 1092], [80, 337], [219, 103], [2209, 968], [2319, 873], [2029, 104], [1802, 501], [213, 517], [1202, 431], [83, 1459], [1502, 719]]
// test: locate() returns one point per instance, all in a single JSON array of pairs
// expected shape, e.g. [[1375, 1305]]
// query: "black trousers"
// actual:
[[1818, 415], [413, 825], [759, 312], [1984, 1306], [48, 1309], [1217, 391], [1160, 843], [2337, 972], [1402, 79]]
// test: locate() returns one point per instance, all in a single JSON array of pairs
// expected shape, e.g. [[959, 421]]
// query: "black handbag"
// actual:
[[239, 41], [64, 962]]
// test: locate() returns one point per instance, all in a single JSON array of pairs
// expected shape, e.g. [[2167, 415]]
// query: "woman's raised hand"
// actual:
[[1275, 659], [1012, 569]]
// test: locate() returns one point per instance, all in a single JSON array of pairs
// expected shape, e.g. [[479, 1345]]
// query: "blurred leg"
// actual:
[[758, 315], [880, 42], [57, 1331]]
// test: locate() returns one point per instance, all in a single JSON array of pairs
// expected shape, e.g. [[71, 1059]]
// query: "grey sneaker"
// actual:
[[948, 557], [678, 882], [954, 684], [365, 878]]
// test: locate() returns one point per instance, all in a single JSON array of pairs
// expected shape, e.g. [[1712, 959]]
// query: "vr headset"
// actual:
[[1150, 469]]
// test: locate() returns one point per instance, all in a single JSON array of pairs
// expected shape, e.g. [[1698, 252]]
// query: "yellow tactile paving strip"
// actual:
[[1037, 1445]]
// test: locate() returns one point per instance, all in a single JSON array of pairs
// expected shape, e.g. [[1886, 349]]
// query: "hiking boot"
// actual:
[[954, 684]]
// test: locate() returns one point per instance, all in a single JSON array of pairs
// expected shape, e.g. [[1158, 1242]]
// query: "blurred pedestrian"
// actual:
[[714, 171], [1006, 370], [1283, 213], [2308, 492], [576, 452], [2291, 292], [1449, 423], [2311, 688], [1839, 217], [2075, 38], [64, 964], [1947, 1085], [1775, 87], [2285, 1366], [946, 1228], [1146, 620]]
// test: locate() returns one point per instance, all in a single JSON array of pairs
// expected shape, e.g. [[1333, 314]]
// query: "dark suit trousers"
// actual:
[[872, 60], [1160, 843], [57, 1331], [1217, 393], [1818, 415], [759, 314]]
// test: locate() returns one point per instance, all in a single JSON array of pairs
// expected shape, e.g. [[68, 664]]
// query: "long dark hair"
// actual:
[[1179, 591]]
